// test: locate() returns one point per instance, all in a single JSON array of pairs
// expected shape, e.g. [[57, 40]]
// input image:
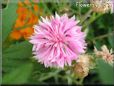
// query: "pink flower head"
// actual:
[[57, 41]]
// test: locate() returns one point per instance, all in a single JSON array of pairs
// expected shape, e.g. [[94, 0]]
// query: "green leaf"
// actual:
[[111, 38], [106, 72], [8, 18], [19, 75], [16, 55]]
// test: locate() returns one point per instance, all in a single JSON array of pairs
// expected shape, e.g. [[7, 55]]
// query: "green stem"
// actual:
[[92, 19], [84, 17], [103, 36], [100, 37], [49, 75], [19, 28], [46, 8], [6, 43]]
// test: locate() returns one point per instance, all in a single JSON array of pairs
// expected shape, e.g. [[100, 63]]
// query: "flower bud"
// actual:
[[105, 54], [81, 68]]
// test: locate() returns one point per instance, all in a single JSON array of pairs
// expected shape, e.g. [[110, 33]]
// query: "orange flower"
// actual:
[[20, 21], [32, 19], [22, 11], [27, 2], [35, 8], [27, 32], [15, 35], [26, 18], [20, 4]]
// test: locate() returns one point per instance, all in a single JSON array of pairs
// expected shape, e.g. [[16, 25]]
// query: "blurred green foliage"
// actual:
[[19, 75]]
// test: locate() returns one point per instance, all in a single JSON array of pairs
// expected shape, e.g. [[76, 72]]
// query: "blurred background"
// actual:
[[18, 18]]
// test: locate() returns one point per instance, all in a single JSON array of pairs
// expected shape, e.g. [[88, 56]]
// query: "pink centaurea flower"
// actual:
[[57, 41]]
